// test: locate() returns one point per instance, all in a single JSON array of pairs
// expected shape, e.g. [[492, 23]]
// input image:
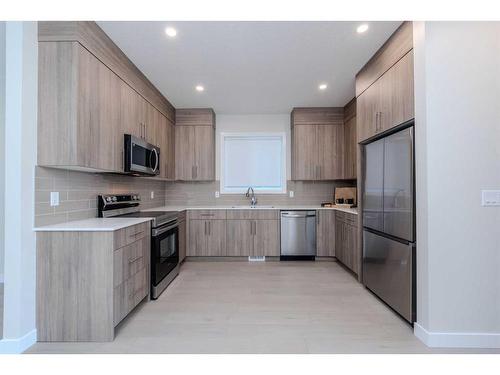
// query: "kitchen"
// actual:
[[243, 228]]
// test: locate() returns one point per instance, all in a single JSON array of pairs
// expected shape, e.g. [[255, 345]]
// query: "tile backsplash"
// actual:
[[78, 193], [203, 194]]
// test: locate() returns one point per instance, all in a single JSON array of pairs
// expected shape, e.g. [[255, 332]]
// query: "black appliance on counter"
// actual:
[[140, 157], [164, 236]]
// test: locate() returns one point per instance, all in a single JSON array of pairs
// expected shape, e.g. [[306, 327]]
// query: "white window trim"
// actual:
[[223, 136]]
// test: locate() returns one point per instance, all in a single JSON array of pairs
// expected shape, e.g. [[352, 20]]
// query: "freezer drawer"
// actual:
[[388, 272], [298, 233]]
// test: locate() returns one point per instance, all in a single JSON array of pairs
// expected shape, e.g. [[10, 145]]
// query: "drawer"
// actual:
[[129, 259], [128, 294], [126, 236], [340, 215], [207, 214], [253, 214], [351, 218]]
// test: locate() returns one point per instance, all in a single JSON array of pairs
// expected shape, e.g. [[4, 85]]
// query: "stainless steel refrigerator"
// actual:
[[389, 221]]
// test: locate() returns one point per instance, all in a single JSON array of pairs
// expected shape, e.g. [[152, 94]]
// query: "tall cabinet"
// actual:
[[317, 143], [195, 144]]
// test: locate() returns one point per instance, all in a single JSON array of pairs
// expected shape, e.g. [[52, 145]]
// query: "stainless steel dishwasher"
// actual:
[[298, 235]]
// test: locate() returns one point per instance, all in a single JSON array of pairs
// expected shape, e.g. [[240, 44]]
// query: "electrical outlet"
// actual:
[[152, 195], [217, 194], [490, 197], [54, 198], [291, 193]]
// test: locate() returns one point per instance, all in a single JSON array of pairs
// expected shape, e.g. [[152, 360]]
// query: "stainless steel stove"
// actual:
[[164, 236]]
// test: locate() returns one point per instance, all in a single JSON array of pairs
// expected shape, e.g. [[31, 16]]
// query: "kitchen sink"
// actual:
[[250, 207]]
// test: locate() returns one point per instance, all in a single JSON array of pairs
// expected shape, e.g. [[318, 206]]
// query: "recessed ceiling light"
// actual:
[[323, 86], [362, 28], [200, 88], [171, 32]]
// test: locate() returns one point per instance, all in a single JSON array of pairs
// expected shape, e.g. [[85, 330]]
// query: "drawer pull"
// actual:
[[133, 260], [207, 215], [137, 233]]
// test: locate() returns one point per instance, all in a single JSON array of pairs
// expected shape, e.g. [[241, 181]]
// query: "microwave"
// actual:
[[140, 157]]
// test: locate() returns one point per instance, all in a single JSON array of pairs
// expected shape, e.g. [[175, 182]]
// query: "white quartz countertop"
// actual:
[[262, 207], [93, 225]]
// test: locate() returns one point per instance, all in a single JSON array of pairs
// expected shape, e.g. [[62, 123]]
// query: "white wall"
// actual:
[[2, 140], [457, 73], [253, 123], [20, 156]]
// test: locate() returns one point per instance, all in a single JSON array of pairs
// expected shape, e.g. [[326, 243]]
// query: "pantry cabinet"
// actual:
[[195, 145], [317, 143]]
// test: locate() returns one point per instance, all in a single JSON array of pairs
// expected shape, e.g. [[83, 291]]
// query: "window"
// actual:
[[257, 160]]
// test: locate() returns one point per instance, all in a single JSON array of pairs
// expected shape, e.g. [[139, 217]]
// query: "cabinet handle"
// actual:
[[380, 121], [205, 228], [254, 228], [209, 228], [136, 233], [134, 259], [192, 172]]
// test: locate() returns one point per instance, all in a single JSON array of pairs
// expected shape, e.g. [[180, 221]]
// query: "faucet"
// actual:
[[253, 201]]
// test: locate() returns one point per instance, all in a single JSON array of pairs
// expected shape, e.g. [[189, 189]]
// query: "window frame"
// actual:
[[225, 135]]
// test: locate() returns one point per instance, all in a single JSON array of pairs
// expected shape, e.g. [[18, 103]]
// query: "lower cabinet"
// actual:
[[182, 236], [87, 282], [346, 244], [252, 238], [207, 238], [325, 233]]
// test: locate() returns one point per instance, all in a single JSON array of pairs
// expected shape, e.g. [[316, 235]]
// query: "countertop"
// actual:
[[93, 225], [263, 207], [112, 224]]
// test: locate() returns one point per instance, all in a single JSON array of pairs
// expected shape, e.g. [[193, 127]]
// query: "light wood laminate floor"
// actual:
[[272, 307]]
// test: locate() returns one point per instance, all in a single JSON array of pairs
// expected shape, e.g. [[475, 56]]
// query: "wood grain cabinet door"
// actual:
[[239, 237], [204, 153], [350, 149], [398, 93], [305, 153], [325, 233], [184, 152], [339, 240], [266, 238], [197, 238], [170, 152], [367, 112], [330, 149], [216, 238]]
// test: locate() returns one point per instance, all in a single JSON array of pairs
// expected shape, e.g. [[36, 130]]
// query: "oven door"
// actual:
[[164, 252], [141, 157]]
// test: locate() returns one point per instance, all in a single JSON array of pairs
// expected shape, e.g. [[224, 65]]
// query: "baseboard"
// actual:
[[457, 340], [19, 345]]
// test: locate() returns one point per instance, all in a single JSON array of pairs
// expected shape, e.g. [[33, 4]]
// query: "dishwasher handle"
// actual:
[[298, 213]]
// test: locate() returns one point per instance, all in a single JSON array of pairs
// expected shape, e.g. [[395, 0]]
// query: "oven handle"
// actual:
[[157, 232]]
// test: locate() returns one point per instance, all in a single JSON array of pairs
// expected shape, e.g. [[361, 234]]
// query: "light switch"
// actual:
[[152, 195], [217, 195], [490, 197], [291, 193], [54, 198]]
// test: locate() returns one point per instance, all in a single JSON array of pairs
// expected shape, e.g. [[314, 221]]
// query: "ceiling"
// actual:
[[250, 67]]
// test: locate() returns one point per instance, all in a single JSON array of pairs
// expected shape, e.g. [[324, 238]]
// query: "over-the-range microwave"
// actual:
[[140, 157]]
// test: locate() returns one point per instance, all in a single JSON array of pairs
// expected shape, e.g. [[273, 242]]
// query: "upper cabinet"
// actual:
[[195, 144], [317, 143], [385, 86], [90, 95], [350, 141]]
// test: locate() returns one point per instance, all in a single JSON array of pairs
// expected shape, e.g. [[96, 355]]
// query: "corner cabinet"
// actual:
[[88, 282], [317, 144], [350, 141], [195, 145]]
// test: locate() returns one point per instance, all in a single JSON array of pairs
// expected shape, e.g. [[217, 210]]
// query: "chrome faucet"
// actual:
[[253, 200]]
